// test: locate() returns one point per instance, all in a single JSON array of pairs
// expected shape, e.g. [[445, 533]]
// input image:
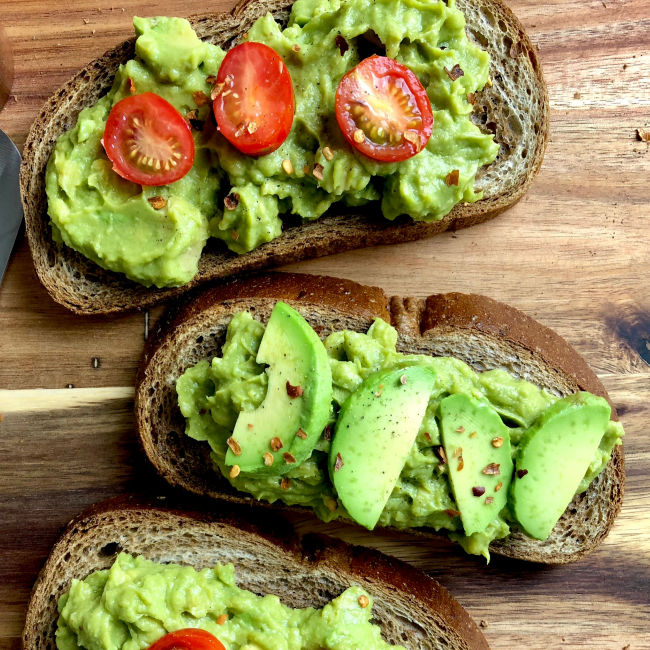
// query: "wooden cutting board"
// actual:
[[575, 254]]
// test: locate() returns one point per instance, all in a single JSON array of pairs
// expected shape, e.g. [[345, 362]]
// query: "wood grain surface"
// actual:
[[575, 254]]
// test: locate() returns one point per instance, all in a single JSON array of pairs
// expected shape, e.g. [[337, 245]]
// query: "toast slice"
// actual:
[[482, 332], [411, 608], [515, 108]]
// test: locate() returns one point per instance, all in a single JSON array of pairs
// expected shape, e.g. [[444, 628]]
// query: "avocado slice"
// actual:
[[284, 429], [375, 430], [477, 447], [553, 456]]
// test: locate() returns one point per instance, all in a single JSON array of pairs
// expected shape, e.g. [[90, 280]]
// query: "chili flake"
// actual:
[[235, 447]]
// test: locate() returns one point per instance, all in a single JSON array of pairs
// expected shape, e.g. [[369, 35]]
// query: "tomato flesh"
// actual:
[[383, 110], [255, 104], [188, 639], [148, 140]]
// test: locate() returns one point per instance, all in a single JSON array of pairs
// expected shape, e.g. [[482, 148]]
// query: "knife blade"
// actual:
[[11, 209]]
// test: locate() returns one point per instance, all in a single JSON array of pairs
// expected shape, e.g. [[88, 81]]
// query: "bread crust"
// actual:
[[82, 286], [269, 557], [483, 332]]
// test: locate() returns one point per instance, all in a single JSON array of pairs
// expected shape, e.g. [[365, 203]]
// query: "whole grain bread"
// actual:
[[484, 333], [515, 108], [411, 608]]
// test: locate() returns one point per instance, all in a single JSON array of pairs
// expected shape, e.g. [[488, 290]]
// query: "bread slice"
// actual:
[[515, 107], [411, 608], [482, 332]]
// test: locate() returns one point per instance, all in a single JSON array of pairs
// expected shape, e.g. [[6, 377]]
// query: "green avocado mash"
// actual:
[[111, 221], [136, 602], [211, 395]]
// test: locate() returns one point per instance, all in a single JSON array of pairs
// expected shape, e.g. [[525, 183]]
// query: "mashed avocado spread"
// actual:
[[136, 602], [111, 220], [212, 394]]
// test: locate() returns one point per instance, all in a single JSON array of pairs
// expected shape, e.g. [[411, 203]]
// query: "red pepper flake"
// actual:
[[497, 442], [295, 47], [301, 434], [318, 171], [294, 391], [200, 98], [342, 44], [157, 202], [455, 73], [203, 411], [452, 177], [276, 444], [249, 425], [338, 463], [195, 123], [427, 435], [489, 500], [221, 619], [452, 513], [460, 430], [441, 453], [131, 85], [288, 458], [231, 201], [521, 473], [235, 447], [471, 98], [492, 469], [461, 464], [327, 433], [217, 89], [478, 491], [457, 452], [285, 483], [211, 79], [234, 234], [498, 486]]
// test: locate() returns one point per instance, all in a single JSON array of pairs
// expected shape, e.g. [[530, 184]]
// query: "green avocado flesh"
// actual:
[[477, 448], [212, 394], [111, 221], [375, 431], [136, 602], [298, 363], [552, 459]]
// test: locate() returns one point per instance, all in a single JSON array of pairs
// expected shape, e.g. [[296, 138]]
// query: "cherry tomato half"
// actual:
[[148, 140], [188, 639], [255, 107], [383, 110]]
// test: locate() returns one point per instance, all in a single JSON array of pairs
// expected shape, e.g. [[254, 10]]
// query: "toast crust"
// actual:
[[484, 333], [269, 558], [515, 108]]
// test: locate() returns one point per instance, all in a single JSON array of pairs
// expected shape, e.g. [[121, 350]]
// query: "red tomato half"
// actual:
[[255, 107], [383, 110], [188, 639], [148, 140]]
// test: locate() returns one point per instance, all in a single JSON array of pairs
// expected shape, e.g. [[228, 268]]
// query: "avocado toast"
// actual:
[[473, 329], [269, 558], [517, 97]]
